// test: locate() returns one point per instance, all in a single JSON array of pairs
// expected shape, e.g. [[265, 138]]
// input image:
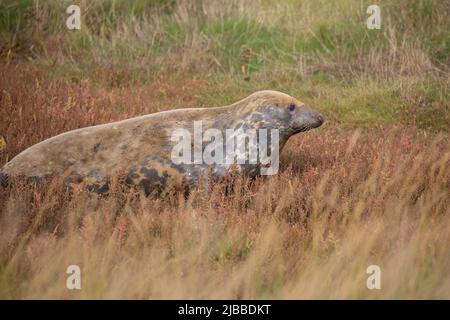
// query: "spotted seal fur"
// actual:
[[140, 148]]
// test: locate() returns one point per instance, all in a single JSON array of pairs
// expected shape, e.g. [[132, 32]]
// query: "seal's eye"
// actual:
[[291, 107]]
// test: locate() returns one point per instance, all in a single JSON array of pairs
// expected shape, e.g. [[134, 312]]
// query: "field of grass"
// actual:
[[369, 187]]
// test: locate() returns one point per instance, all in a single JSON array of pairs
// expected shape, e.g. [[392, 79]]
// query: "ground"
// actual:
[[369, 187]]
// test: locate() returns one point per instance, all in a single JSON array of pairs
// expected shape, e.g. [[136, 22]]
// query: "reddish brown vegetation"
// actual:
[[344, 199], [36, 106]]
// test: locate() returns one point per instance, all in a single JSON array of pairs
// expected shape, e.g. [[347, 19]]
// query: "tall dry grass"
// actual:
[[344, 200], [369, 187]]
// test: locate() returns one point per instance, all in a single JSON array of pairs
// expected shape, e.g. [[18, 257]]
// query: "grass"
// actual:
[[369, 187], [348, 201]]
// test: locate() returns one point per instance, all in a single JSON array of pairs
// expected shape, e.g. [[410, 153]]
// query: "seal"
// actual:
[[141, 148]]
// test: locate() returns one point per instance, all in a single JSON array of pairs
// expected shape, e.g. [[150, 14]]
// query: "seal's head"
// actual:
[[273, 109]]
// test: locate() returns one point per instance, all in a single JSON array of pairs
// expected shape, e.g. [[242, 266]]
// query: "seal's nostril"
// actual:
[[321, 118]]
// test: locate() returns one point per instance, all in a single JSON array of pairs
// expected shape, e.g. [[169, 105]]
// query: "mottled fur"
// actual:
[[141, 147]]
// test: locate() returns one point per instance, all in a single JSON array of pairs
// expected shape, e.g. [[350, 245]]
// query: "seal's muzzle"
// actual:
[[305, 118]]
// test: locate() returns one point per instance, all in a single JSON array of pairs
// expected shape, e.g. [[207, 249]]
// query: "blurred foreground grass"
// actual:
[[369, 187]]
